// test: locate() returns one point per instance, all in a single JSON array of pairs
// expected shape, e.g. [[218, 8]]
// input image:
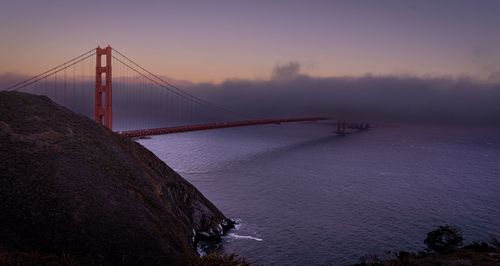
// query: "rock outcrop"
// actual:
[[70, 186]]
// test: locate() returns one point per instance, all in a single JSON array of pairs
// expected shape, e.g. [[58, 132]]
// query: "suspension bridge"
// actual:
[[132, 101]]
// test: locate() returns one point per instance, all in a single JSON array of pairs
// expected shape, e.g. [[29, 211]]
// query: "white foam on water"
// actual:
[[201, 252], [237, 224], [235, 236]]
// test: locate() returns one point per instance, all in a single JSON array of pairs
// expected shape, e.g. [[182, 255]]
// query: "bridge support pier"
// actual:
[[103, 115], [341, 128]]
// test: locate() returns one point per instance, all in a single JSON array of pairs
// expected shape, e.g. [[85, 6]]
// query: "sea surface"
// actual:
[[304, 196]]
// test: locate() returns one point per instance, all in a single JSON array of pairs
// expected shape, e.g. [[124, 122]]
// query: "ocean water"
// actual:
[[304, 196]]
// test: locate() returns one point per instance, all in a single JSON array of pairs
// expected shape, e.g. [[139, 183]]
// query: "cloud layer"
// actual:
[[391, 98], [369, 98]]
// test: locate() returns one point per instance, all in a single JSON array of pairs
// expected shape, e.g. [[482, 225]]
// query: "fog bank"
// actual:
[[389, 98], [288, 92]]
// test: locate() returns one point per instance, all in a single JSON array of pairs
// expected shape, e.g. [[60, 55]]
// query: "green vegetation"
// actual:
[[215, 259], [444, 239], [444, 247], [37, 258], [70, 186]]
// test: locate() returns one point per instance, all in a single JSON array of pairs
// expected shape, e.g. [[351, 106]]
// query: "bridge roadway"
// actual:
[[198, 127]]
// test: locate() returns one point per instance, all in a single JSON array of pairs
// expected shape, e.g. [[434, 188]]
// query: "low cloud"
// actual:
[[289, 71], [370, 98], [389, 98]]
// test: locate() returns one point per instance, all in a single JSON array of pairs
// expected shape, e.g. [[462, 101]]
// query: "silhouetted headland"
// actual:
[[70, 187]]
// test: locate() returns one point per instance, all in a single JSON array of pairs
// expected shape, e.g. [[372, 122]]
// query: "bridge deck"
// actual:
[[198, 127]]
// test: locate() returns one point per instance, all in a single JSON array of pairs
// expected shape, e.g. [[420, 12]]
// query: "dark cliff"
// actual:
[[71, 186]]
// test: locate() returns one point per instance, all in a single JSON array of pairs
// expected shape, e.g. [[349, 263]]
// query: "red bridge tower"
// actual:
[[103, 115]]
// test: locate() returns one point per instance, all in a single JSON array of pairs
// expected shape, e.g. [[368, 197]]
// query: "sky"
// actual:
[[214, 41]]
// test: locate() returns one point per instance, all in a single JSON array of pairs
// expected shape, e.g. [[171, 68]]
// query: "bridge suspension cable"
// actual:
[[51, 71], [163, 108], [170, 87]]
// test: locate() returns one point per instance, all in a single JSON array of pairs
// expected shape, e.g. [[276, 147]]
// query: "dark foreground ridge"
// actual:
[[71, 187]]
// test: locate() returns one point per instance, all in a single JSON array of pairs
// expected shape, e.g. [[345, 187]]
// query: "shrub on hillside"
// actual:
[[444, 239]]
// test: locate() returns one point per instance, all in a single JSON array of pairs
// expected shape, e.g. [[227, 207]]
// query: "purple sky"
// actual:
[[207, 41]]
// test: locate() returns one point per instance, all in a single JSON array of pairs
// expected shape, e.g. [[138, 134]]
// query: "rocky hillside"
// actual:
[[70, 186]]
